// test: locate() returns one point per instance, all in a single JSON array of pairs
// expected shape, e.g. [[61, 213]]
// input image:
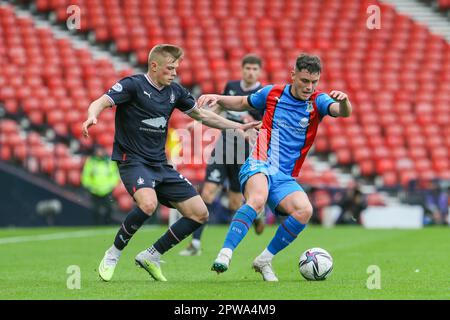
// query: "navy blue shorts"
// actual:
[[169, 185]]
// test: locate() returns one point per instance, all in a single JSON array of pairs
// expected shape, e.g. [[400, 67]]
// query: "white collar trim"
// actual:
[[152, 83]]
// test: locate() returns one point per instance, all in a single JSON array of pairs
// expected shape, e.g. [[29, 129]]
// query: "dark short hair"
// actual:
[[308, 62], [251, 59]]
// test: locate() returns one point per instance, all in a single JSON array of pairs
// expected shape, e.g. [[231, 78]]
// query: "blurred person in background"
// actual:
[[100, 176], [352, 203], [436, 203]]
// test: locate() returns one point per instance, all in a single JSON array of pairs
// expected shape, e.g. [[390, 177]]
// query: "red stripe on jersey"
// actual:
[[314, 119], [124, 157], [263, 141]]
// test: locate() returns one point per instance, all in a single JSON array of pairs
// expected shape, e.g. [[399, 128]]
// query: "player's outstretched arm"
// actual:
[[234, 103], [343, 106], [213, 120], [95, 108]]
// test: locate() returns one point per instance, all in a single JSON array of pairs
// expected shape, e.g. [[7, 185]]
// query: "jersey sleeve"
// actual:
[[185, 102], [258, 99], [323, 102], [227, 88], [121, 92]]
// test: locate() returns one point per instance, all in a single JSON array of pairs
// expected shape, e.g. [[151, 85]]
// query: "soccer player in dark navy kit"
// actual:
[[292, 114], [144, 105], [230, 153]]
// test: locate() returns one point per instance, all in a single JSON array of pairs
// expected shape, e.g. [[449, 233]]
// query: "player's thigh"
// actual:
[[298, 205], [146, 200], [233, 177], [175, 189], [256, 191], [216, 168], [235, 200], [193, 208], [209, 191], [139, 180]]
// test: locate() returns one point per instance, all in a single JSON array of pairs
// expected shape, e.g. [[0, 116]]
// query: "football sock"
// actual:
[[134, 220], [239, 226], [153, 254], [114, 251], [196, 243], [198, 233], [176, 233], [266, 255], [286, 233]]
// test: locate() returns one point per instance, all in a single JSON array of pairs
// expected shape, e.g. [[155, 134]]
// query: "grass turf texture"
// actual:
[[414, 264]]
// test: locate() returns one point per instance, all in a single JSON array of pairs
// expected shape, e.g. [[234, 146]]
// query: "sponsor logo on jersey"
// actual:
[[304, 122], [140, 181], [159, 122]]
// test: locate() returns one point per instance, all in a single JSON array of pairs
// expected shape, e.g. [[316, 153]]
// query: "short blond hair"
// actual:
[[165, 50]]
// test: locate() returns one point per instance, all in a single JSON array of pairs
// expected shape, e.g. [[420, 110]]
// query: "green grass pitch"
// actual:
[[414, 264]]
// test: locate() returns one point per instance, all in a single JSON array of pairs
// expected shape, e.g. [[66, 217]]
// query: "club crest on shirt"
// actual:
[[140, 181], [215, 175], [310, 106], [232, 92]]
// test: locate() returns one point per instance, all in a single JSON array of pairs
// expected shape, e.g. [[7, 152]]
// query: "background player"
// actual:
[[144, 105], [291, 116], [218, 172]]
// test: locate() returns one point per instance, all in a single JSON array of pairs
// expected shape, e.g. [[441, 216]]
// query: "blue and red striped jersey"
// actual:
[[289, 126]]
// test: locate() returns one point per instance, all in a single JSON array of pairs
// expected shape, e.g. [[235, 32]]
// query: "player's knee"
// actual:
[[204, 216], [148, 207], [304, 214], [257, 202], [208, 195], [200, 216]]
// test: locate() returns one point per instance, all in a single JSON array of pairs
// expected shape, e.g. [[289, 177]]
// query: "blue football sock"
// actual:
[[239, 226], [286, 233]]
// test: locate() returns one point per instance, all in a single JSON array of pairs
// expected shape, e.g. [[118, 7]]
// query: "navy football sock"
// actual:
[[134, 220], [176, 233]]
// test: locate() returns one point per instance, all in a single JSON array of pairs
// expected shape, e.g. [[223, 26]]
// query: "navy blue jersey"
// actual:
[[142, 116], [234, 88]]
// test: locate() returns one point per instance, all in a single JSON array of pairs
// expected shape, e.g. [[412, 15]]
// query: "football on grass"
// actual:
[[315, 264]]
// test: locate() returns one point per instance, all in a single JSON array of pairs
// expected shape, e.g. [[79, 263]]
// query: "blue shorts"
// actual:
[[169, 184], [280, 184]]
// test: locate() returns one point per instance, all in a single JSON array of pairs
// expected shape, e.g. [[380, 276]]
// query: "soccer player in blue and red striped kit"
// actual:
[[292, 114]]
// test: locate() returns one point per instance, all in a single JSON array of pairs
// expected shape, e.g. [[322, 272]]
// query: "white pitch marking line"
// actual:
[[59, 236], [53, 236]]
